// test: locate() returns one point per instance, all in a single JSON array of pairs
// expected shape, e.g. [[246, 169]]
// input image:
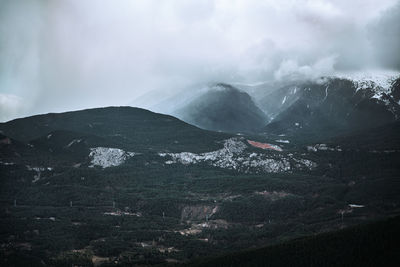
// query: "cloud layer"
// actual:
[[70, 54]]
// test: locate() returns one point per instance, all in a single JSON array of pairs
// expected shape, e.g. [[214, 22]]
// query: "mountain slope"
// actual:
[[126, 127], [331, 107], [373, 244], [385, 138], [224, 108], [126, 186]]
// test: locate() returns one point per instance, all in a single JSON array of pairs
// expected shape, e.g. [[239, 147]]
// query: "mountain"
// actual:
[[224, 108], [70, 138], [332, 106], [123, 186], [125, 127]]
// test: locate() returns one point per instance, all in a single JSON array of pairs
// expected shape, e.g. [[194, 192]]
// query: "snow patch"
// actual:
[[38, 171], [233, 156], [326, 94], [6, 163], [75, 141], [108, 157], [379, 81], [356, 206], [123, 213], [283, 141], [322, 147]]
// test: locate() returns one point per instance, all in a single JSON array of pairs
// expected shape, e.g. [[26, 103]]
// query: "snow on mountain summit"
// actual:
[[379, 81]]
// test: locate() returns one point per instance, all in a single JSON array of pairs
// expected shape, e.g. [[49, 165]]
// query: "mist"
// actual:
[[66, 55]]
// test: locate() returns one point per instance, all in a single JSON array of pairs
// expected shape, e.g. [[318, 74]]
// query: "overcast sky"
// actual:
[[66, 55]]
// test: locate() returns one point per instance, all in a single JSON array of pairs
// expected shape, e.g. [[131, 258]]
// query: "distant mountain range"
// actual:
[[120, 186], [314, 109]]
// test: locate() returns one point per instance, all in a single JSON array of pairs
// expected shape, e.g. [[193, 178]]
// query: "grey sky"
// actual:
[[72, 54]]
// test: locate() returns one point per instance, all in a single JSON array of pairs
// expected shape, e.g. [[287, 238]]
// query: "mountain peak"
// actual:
[[223, 107]]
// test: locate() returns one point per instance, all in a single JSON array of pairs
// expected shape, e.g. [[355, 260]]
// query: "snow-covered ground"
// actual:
[[233, 156], [38, 171], [379, 81], [322, 147], [108, 157], [6, 163], [368, 79], [75, 141], [282, 141], [356, 206], [123, 213]]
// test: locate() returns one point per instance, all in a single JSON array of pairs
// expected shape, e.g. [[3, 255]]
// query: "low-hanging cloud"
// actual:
[[71, 54], [384, 34], [290, 69]]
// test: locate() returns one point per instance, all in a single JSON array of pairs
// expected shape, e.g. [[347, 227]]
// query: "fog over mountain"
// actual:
[[66, 55]]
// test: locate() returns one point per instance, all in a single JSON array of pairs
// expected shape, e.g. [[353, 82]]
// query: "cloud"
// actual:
[[384, 34], [290, 69], [10, 106], [71, 54]]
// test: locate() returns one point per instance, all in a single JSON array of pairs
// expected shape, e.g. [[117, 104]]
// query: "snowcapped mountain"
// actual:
[[333, 105], [324, 107]]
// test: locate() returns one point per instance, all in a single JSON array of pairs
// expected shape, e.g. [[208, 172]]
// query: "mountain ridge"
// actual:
[[224, 108]]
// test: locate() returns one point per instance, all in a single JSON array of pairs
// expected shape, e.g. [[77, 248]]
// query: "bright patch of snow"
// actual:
[[38, 171], [322, 147], [284, 100], [233, 156], [108, 157], [283, 141], [311, 149], [7, 163], [326, 93], [50, 218], [122, 213], [305, 162], [379, 81], [356, 206], [75, 141], [366, 79]]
